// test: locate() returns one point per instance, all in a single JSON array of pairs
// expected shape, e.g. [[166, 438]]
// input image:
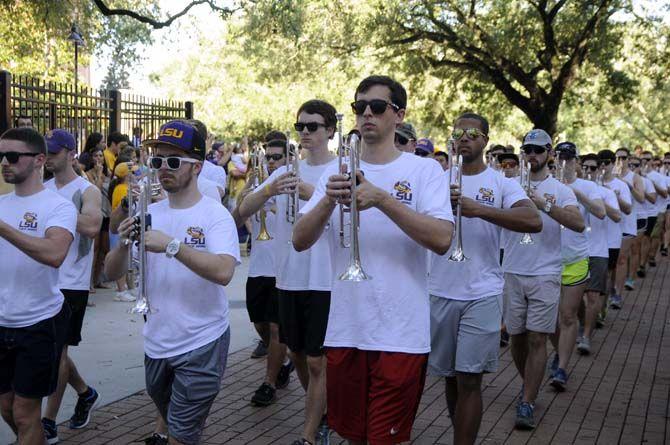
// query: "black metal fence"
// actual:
[[83, 110]]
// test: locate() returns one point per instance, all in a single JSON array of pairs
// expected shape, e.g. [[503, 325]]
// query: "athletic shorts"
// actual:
[[464, 335], [651, 222], [531, 303], [30, 356], [77, 300], [373, 396], [303, 319], [575, 273], [641, 225], [658, 227], [262, 300], [613, 258], [184, 387], [598, 272]]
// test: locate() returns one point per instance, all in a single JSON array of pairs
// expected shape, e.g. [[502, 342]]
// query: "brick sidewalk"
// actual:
[[619, 394]]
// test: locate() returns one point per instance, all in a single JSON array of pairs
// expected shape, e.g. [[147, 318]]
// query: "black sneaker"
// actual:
[[652, 263], [641, 272], [50, 431], [156, 439], [260, 351], [82, 411], [323, 433], [504, 339], [301, 442], [284, 376], [664, 251], [265, 395]]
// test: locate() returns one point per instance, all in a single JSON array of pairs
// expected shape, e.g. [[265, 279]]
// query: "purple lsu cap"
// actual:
[[58, 139], [425, 144], [181, 135]]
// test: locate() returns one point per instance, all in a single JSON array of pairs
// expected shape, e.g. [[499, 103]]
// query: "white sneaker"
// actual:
[[124, 296]]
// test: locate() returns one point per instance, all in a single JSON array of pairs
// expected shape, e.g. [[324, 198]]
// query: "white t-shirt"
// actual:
[[214, 173], [261, 259], [647, 208], [575, 245], [238, 161], [75, 273], [308, 270], [598, 236], [29, 291], [191, 311], [543, 257], [481, 276], [636, 210], [209, 188], [628, 222], [659, 180], [391, 311]]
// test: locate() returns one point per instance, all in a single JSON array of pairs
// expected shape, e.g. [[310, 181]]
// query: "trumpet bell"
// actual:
[[458, 256], [354, 272], [263, 235], [142, 307], [526, 239]]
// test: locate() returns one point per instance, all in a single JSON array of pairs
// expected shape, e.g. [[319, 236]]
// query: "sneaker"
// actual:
[[50, 431], [664, 251], [559, 380], [301, 442], [323, 433], [652, 262], [504, 339], [524, 417], [630, 284], [156, 439], [616, 302], [82, 411], [600, 319], [553, 366], [265, 395], [284, 376], [125, 296], [260, 351], [641, 272], [584, 346]]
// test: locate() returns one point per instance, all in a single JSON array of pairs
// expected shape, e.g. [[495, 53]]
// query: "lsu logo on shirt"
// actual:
[[485, 196], [29, 222], [403, 192], [195, 237]]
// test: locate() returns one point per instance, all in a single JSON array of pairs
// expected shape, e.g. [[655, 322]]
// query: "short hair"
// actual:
[[606, 155], [29, 136], [322, 108], [647, 152], [274, 135], [498, 147], [440, 153], [482, 121], [398, 92], [666, 154], [199, 126], [623, 149], [589, 157], [116, 137], [21, 116]]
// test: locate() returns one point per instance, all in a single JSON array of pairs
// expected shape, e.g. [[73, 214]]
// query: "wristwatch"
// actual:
[[547, 206], [172, 248]]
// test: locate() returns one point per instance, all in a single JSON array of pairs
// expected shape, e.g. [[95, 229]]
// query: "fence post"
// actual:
[[115, 114], [189, 109], [5, 101]]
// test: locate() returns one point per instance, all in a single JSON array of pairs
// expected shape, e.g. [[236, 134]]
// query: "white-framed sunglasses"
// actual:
[[172, 162]]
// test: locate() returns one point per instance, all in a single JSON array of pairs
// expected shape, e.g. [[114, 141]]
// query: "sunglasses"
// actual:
[[633, 164], [421, 153], [377, 106], [508, 164], [551, 167], [471, 133], [528, 149], [565, 156], [666, 162], [606, 162], [274, 157], [401, 140], [14, 156], [592, 168], [622, 157], [311, 126], [172, 162]]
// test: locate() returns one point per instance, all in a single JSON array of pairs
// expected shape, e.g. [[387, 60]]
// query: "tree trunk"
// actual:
[[545, 117]]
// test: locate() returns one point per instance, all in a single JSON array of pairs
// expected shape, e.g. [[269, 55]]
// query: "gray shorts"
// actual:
[[531, 303], [598, 270], [183, 387], [465, 335]]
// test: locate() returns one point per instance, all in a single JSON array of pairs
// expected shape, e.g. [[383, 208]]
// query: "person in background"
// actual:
[[405, 137], [23, 121], [443, 159], [509, 163], [98, 174], [115, 142], [424, 148]]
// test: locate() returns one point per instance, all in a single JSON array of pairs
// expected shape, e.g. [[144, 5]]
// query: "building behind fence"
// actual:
[[83, 110]]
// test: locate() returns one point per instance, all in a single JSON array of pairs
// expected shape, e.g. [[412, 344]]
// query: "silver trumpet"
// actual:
[[354, 270], [457, 254], [526, 239], [292, 166], [139, 265]]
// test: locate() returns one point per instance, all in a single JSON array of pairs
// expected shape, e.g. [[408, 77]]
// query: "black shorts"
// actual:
[[29, 356], [613, 258], [262, 304], [651, 222], [303, 319], [598, 275], [641, 224], [77, 300]]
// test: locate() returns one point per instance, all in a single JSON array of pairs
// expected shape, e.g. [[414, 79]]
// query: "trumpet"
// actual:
[[560, 171], [293, 198], [354, 270], [618, 167], [258, 170], [526, 239], [457, 255]]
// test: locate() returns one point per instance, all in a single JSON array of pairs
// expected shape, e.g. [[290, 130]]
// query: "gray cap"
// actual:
[[537, 137], [406, 130]]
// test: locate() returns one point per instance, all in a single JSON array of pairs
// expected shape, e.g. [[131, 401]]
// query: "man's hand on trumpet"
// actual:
[[338, 191], [469, 207]]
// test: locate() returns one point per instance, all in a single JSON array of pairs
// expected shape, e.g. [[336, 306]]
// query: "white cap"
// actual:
[[537, 137]]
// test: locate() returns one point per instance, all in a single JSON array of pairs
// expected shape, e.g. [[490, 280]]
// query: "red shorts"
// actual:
[[374, 396]]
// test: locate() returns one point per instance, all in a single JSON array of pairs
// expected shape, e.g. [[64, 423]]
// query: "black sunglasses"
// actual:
[[591, 167], [606, 162], [565, 156], [274, 157], [528, 149], [377, 106], [172, 162], [401, 140], [421, 153], [633, 165], [14, 156], [622, 157], [311, 126]]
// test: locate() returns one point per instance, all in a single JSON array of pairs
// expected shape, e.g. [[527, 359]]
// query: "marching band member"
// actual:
[[646, 213]]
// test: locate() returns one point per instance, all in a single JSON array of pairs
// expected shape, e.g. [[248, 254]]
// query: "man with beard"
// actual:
[[37, 227], [192, 252], [466, 297], [533, 274], [74, 277]]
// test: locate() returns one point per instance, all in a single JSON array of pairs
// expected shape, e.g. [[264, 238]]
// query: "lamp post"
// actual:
[[77, 39]]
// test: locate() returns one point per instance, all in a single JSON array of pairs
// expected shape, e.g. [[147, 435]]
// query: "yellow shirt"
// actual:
[[110, 159], [120, 191]]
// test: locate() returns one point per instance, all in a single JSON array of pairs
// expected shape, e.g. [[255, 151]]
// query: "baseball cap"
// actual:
[[181, 135], [406, 130], [507, 156], [425, 144], [58, 139], [567, 148], [537, 137]]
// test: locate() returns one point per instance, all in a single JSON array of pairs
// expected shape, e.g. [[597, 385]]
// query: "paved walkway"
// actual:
[[619, 394]]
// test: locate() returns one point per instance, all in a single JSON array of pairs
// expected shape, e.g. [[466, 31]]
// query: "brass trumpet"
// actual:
[[258, 170], [457, 255]]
